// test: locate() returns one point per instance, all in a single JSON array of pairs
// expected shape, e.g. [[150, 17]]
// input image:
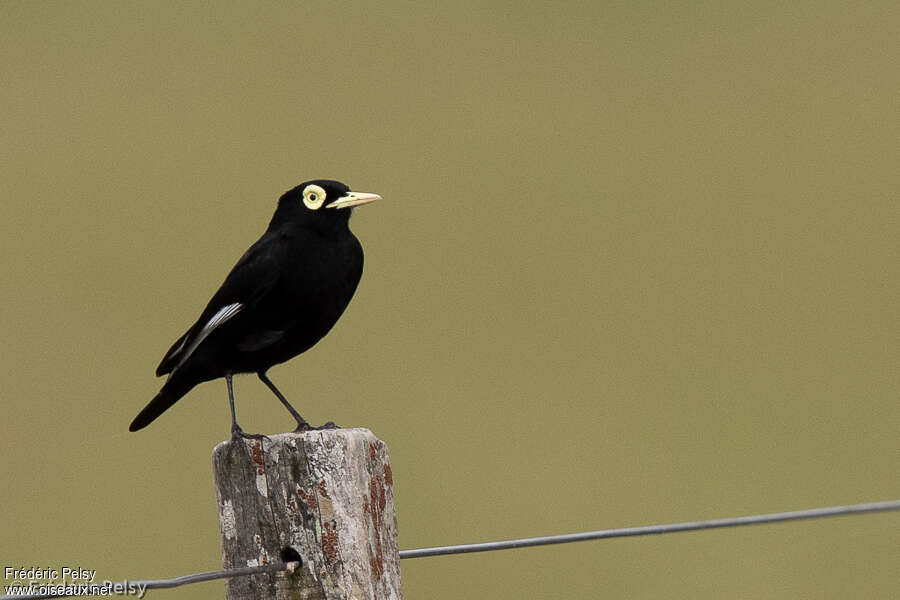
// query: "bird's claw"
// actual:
[[238, 433], [304, 426]]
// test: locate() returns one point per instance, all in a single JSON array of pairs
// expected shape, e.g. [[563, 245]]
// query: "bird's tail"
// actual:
[[175, 387]]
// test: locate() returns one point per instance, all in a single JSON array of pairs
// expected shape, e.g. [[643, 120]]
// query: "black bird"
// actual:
[[283, 295]]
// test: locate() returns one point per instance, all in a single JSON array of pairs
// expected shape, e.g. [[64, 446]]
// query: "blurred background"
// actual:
[[636, 263]]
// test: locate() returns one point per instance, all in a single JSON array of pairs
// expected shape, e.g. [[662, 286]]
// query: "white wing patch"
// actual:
[[224, 314]]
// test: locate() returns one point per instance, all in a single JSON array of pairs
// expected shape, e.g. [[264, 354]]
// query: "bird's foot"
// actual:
[[304, 426], [238, 433]]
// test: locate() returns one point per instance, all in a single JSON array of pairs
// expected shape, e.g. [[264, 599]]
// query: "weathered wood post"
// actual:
[[323, 496]]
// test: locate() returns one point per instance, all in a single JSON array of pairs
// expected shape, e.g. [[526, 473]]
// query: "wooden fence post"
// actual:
[[323, 496]]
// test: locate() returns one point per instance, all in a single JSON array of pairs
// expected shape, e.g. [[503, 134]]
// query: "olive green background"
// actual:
[[636, 263]]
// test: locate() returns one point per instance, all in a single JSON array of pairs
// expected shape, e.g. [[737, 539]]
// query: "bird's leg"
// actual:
[[234, 426], [302, 424], [236, 431]]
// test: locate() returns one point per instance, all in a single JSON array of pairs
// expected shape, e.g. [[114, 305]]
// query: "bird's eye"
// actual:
[[313, 197]]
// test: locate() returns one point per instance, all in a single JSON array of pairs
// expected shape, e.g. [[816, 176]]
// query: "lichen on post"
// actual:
[[323, 496]]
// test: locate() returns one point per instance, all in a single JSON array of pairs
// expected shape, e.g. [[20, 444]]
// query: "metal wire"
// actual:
[[156, 584], [814, 513]]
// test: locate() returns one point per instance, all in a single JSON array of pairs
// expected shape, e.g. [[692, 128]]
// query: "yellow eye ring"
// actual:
[[313, 197]]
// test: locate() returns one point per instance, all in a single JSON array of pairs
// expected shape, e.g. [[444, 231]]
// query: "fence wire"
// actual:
[[780, 517]]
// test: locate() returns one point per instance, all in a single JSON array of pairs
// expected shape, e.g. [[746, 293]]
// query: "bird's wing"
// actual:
[[254, 275]]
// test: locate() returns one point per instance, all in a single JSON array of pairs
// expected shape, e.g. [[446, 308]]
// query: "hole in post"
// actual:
[[288, 554]]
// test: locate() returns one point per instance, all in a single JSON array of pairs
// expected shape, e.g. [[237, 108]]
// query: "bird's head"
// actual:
[[321, 203]]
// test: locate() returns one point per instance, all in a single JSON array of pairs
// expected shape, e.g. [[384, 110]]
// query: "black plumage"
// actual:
[[283, 295]]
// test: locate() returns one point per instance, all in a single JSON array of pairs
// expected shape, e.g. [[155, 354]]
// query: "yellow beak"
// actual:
[[353, 199]]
